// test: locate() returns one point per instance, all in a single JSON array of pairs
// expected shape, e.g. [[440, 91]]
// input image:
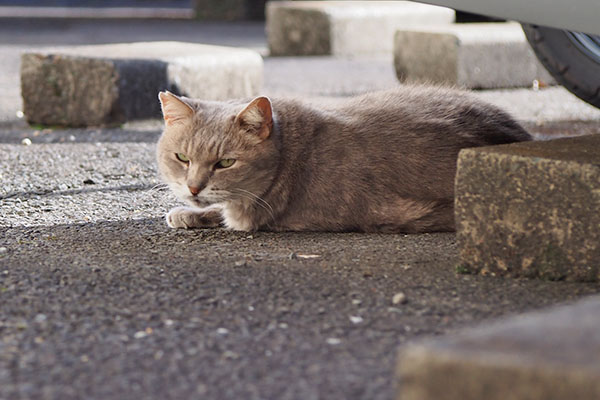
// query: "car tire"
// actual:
[[573, 59]]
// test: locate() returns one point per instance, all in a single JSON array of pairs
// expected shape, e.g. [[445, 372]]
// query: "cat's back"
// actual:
[[409, 100], [408, 122], [423, 109]]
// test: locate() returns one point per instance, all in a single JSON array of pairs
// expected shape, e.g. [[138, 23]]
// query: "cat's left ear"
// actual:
[[257, 117], [174, 109]]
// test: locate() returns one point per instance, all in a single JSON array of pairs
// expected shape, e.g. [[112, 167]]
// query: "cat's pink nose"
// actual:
[[194, 190]]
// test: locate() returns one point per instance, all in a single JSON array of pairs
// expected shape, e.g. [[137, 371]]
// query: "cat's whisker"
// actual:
[[255, 196], [256, 199], [160, 186]]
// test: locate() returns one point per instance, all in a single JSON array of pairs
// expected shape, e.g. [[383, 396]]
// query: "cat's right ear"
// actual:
[[257, 117], [174, 109]]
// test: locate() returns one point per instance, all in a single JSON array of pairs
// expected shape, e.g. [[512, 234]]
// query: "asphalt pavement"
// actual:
[[99, 299]]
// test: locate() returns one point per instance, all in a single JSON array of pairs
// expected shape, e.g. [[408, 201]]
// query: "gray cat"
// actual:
[[380, 162]]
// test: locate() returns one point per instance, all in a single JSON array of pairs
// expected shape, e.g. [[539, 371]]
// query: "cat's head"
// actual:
[[217, 152]]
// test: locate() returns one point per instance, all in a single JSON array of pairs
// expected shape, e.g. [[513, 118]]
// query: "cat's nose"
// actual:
[[194, 190]]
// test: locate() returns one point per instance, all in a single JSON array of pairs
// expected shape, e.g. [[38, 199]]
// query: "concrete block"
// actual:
[[547, 355], [531, 209], [110, 84], [481, 55], [344, 27]]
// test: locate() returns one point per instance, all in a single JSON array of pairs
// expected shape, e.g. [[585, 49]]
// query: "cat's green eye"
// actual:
[[225, 163], [182, 157]]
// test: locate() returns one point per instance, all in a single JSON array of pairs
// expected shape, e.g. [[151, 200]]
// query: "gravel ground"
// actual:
[[75, 183]]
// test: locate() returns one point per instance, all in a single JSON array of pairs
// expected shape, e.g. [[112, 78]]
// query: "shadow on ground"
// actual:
[[132, 309]]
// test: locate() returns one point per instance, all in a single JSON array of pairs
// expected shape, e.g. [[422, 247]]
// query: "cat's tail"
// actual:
[[496, 126]]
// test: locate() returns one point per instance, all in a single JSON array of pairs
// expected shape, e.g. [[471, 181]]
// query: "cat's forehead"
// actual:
[[212, 127], [216, 109], [208, 113], [214, 119]]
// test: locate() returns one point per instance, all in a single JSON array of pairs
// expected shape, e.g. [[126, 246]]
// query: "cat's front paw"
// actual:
[[188, 218]]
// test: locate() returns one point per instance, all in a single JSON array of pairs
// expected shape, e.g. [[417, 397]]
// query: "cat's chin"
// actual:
[[196, 202]]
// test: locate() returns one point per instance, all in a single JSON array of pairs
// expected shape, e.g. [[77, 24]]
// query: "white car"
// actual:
[[554, 30]]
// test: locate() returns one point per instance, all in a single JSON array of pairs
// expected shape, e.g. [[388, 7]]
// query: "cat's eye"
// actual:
[[225, 163], [182, 157]]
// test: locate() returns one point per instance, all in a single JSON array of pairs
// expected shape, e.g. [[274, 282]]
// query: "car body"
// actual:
[[572, 15]]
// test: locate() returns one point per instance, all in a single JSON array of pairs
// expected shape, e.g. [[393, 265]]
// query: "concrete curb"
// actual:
[[481, 55], [344, 28], [111, 84], [531, 209], [545, 355]]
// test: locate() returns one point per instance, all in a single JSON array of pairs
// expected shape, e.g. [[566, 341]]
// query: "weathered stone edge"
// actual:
[[432, 373], [476, 160]]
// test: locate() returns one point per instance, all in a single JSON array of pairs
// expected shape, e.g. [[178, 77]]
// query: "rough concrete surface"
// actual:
[[114, 83], [549, 355], [347, 28], [480, 55], [531, 209]]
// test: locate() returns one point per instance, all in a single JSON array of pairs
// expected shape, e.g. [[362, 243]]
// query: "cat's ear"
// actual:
[[257, 117], [174, 109]]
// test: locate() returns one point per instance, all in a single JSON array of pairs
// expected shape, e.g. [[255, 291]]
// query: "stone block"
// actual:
[[344, 28], [531, 209], [111, 84], [548, 355], [480, 55]]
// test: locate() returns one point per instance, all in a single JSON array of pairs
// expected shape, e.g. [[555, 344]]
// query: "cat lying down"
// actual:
[[380, 162]]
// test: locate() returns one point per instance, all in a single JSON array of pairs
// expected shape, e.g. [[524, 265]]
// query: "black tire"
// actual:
[[573, 59]]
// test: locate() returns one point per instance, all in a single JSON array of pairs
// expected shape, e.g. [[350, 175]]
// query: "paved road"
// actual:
[[99, 299]]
